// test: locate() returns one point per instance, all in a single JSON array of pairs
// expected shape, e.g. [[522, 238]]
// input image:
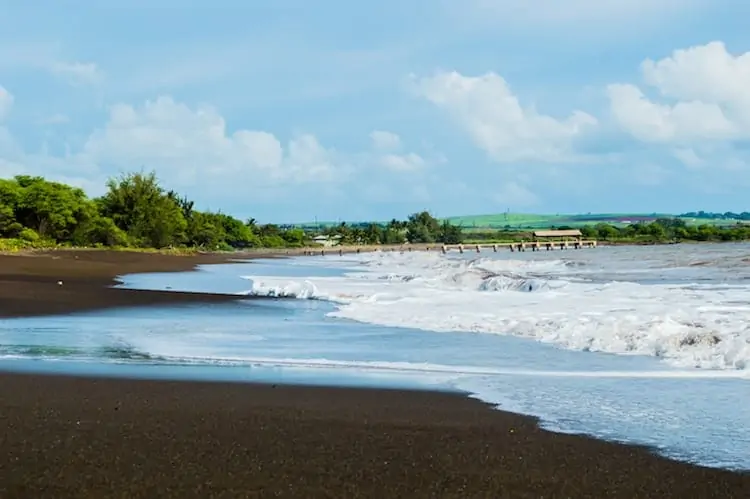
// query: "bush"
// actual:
[[101, 231], [29, 235]]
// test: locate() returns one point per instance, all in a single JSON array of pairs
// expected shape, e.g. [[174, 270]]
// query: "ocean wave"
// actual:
[[692, 326], [118, 352], [123, 353]]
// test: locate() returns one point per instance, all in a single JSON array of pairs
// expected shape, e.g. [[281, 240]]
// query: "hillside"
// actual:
[[539, 221]]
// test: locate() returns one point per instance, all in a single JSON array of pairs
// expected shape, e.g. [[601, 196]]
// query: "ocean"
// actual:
[[647, 345]]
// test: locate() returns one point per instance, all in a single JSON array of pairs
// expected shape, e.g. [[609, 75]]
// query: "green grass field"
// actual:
[[540, 221]]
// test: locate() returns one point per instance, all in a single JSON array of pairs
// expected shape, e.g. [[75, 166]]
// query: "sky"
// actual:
[[293, 110]]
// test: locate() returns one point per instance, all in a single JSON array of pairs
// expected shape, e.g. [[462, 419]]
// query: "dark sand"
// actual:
[[29, 282], [76, 437]]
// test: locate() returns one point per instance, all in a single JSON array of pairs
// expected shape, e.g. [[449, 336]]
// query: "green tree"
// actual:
[[392, 236], [205, 230], [450, 234], [10, 195], [139, 206], [184, 203], [100, 231], [589, 232], [373, 234], [52, 209], [237, 234], [422, 228], [294, 238], [607, 232]]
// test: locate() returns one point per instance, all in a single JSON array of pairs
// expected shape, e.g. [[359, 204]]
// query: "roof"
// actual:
[[558, 233]]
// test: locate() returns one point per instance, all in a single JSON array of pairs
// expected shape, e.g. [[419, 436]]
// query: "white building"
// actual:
[[327, 241]]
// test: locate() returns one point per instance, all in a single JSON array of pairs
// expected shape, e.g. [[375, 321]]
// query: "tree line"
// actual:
[[418, 228], [667, 229], [708, 215], [136, 211]]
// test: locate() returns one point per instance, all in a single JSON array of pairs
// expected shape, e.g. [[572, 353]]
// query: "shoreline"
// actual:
[[425, 438], [254, 253], [69, 436], [60, 282]]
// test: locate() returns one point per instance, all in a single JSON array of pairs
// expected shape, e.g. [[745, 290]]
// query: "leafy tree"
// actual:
[[450, 234], [373, 234], [589, 232], [29, 235], [393, 236], [136, 210], [294, 238], [100, 231], [52, 209], [237, 234], [397, 225], [422, 228], [606, 231], [10, 195], [139, 206], [184, 203], [203, 229]]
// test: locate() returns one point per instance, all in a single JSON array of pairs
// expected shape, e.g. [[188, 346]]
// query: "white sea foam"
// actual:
[[704, 326]]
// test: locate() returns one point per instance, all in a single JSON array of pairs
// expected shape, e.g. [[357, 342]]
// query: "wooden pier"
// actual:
[[522, 246], [547, 240], [461, 248]]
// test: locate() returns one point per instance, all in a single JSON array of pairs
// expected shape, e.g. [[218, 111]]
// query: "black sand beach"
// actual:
[[29, 282], [83, 437]]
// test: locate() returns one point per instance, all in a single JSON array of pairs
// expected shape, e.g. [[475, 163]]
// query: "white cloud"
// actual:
[[513, 194], [308, 160], [688, 157], [193, 151], [681, 122], [496, 121], [706, 92], [386, 152], [707, 73], [194, 143], [385, 140], [77, 73], [403, 162], [6, 102]]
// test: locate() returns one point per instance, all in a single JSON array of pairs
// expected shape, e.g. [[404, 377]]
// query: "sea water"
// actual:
[[649, 345]]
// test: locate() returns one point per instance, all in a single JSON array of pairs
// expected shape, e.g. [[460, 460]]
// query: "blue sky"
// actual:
[[288, 110]]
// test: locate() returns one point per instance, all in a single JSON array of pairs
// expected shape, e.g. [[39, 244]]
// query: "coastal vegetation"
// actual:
[[667, 230], [137, 213], [519, 221]]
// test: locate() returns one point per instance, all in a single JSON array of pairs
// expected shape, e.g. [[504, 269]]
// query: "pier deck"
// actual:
[[461, 248]]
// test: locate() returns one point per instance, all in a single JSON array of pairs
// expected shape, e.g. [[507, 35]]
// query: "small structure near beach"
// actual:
[[558, 235], [327, 241]]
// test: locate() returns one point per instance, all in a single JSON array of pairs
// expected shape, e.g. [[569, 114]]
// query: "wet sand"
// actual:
[[97, 437], [29, 282]]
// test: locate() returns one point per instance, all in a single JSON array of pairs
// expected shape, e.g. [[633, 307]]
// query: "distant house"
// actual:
[[327, 241], [562, 234]]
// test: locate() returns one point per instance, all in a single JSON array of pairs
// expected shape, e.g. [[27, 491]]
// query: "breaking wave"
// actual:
[[120, 352], [688, 325]]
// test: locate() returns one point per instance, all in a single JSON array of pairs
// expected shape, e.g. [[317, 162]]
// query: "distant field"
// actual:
[[532, 221], [539, 221]]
